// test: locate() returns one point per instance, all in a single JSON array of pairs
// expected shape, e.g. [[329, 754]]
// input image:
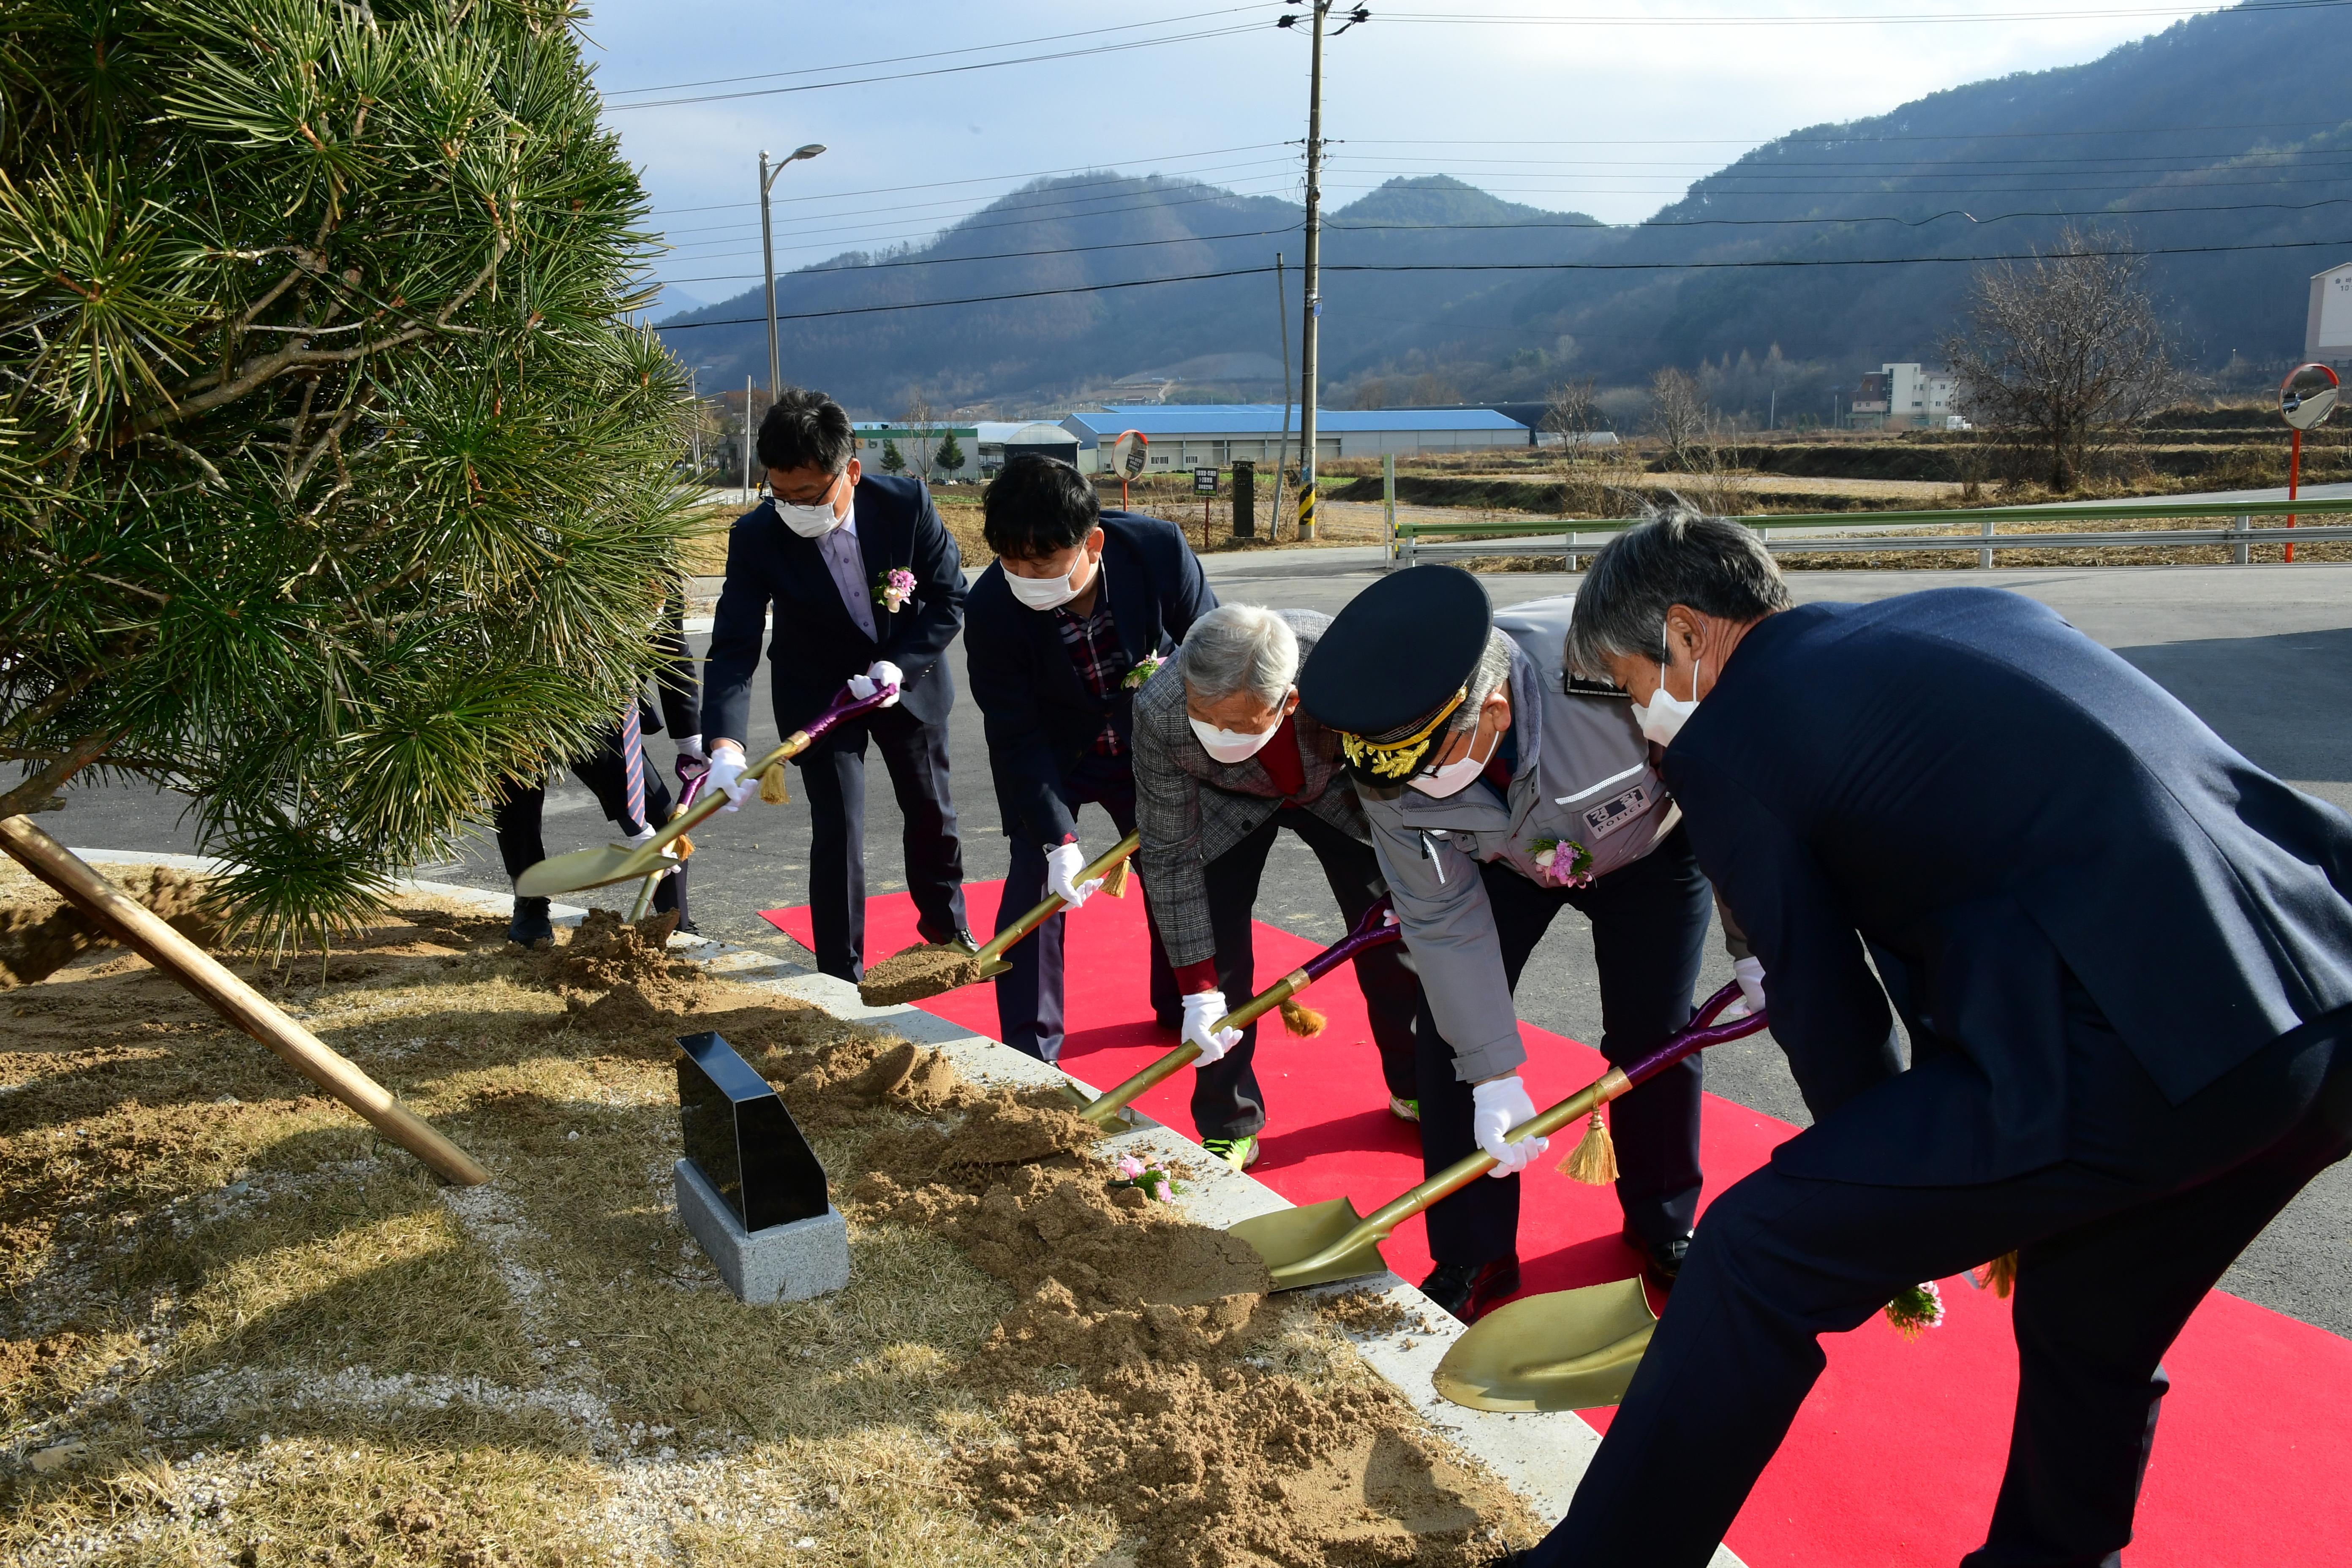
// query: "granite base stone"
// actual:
[[780, 1263]]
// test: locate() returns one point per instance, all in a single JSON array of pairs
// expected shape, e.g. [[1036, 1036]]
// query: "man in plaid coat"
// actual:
[[1224, 760]]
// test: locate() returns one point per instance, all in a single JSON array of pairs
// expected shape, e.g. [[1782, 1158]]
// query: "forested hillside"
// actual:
[[2223, 131]]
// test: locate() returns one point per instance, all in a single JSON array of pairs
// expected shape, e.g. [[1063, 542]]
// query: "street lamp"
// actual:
[[768, 174]]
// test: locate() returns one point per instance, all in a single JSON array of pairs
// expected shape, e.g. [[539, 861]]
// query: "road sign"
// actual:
[[2306, 398], [1205, 481], [1126, 453]]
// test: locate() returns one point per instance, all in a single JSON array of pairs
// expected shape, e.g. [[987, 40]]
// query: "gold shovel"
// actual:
[[1323, 1242], [987, 961], [1569, 1350], [620, 862], [1376, 929]]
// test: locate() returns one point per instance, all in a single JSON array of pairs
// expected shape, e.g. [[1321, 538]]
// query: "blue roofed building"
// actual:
[[1202, 435]]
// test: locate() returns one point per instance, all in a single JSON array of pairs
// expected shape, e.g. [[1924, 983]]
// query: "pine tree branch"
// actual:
[[39, 793], [47, 708]]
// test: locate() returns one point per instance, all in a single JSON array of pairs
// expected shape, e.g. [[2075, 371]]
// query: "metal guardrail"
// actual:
[[1575, 538]]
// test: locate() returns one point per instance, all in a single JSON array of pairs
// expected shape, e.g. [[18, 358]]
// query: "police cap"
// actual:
[[1393, 666]]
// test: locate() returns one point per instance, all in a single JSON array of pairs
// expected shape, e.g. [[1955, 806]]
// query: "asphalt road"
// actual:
[[2263, 654]]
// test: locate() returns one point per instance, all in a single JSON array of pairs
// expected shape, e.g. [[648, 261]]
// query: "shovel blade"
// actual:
[[1298, 1245], [1572, 1350], [586, 868]]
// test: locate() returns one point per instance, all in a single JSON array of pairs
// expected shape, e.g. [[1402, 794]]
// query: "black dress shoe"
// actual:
[[531, 925], [1661, 1261], [1468, 1290]]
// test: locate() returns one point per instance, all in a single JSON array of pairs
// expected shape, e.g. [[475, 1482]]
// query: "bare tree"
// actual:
[[918, 423], [1677, 415], [1570, 413], [2063, 353]]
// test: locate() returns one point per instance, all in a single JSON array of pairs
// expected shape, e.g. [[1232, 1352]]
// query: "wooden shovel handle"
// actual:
[[140, 929]]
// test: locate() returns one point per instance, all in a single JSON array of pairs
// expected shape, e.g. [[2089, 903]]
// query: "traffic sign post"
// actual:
[[2306, 398]]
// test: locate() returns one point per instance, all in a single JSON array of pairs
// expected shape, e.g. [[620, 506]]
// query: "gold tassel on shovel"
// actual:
[[1304, 1022], [771, 787], [1115, 882], [1593, 1161], [2000, 1276]]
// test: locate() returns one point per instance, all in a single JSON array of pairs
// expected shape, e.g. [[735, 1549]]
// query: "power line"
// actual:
[[937, 70], [1509, 267], [1899, 19], [981, 179], [1821, 141], [942, 54]]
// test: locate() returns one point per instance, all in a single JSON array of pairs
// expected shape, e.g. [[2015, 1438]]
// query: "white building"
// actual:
[[2328, 331], [1905, 396], [1184, 436]]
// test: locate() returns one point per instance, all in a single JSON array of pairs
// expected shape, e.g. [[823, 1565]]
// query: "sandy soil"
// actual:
[[235, 1329]]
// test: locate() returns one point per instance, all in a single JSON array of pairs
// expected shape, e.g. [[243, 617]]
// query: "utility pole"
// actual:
[[693, 396], [747, 440], [1314, 277], [768, 254], [1321, 8], [1282, 452]]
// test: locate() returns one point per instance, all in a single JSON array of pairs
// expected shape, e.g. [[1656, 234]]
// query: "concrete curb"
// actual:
[[1541, 1457]]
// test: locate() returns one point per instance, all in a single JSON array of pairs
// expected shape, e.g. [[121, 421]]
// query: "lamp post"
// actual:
[[768, 172]]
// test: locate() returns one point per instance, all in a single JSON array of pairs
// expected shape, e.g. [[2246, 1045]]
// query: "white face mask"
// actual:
[[1666, 714], [808, 521], [1232, 745], [1455, 776], [1046, 593]]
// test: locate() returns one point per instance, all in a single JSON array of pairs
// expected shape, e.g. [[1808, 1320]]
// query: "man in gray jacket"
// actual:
[[1224, 762], [1499, 793]]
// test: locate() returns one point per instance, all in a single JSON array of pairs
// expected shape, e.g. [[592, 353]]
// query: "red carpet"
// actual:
[[1895, 1457]]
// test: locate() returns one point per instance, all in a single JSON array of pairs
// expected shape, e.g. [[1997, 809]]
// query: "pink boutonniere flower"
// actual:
[[1145, 669], [894, 588], [1156, 1184], [1917, 1309], [1563, 862]]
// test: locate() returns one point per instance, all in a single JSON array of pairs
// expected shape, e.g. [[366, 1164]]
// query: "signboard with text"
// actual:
[[1205, 481]]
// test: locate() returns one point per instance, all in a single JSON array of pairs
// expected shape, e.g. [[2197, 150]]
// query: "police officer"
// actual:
[[1499, 793]]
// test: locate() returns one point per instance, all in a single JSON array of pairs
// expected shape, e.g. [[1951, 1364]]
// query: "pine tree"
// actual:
[[951, 455], [892, 463], [334, 488]]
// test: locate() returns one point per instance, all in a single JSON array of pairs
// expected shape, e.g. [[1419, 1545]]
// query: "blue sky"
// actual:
[[1610, 107]]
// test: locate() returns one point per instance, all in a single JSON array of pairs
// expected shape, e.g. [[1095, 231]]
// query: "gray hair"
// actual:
[[1676, 557], [1239, 648], [1492, 669]]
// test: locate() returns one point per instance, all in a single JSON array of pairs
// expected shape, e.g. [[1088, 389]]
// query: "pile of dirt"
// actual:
[[39, 938], [1134, 1375], [623, 977], [912, 974]]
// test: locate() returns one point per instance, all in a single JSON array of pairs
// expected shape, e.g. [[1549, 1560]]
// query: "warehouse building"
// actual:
[[1205, 435]]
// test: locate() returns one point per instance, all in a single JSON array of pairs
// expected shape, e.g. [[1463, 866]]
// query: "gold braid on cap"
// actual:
[[1399, 759]]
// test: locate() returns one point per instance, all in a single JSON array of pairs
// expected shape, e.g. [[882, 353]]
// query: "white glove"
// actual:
[[881, 674], [1495, 1108], [1750, 972], [1202, 1008], [669, 849], [727, 775], [1063, 863]]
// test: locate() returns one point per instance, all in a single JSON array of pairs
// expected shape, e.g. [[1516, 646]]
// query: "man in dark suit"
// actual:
[[867, 588], [1077, 610], [2123, 956], [622, 776]]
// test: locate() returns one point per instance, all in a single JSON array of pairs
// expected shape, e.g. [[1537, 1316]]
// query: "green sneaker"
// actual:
[[1404, 1109], [1241, 1153]]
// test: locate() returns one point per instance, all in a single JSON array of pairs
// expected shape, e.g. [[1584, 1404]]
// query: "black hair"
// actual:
[[1038, 506], [807, 429]]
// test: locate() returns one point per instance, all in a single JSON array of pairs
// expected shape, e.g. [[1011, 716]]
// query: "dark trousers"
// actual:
[[1226, 1100], [833, 772], [1648, 930], [2115, 1246], [1029, 997], [605, 773]]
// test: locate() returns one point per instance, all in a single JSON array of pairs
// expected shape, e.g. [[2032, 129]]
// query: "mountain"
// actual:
[[2235, 112], [1091, 229]]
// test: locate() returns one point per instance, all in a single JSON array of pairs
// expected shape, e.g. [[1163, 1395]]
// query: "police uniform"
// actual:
[[1568, 814]]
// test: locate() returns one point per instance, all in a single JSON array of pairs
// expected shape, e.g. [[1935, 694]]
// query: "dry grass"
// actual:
[[237, 1329]]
